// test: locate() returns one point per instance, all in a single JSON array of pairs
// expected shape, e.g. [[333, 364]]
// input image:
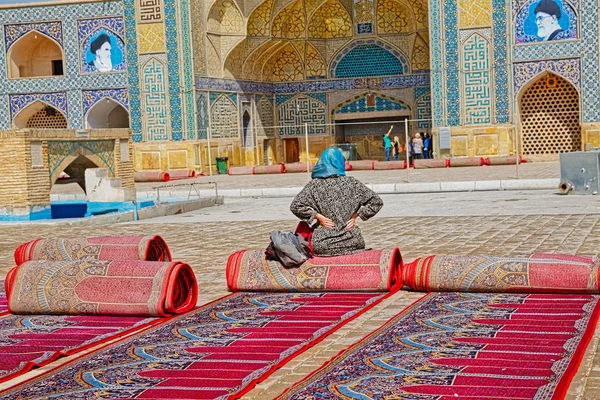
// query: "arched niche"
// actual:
[[35, 55], [75, 164], [39, 115], [107, 114]]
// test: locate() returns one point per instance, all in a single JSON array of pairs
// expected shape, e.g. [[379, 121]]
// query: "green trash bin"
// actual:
[[222, 164], [349, 150]]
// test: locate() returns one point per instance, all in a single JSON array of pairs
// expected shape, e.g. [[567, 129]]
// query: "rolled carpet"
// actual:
[[146, 248], [362, 165], [384, 165], [101, 287], [506, 160], [182, 174], [297, 167], [537, 273], [431, 163], [243, 170], [467, 162], [151, 176], [270, 169], [370, 270]]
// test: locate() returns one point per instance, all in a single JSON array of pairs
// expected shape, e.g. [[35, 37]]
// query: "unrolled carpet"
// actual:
[[30, 341], [215, 351], [451, 346], [371, 270], [545, 273], [131, 288], [3, 299], [148, 248]]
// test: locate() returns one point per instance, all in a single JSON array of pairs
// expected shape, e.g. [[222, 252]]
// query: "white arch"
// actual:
[[107, 114], [25, 59]]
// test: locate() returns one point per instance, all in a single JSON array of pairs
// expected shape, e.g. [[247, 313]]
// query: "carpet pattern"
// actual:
[[29, 341], [214, 351], [3, 300], [546, 273], [371, 270], [100, 287], [148, 248], [464, 346]]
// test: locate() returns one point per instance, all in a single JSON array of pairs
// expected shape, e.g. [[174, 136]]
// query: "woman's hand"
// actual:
[[324, 221], [350, 224]]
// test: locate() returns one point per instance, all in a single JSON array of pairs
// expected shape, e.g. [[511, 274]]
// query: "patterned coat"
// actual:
[[337, 198]]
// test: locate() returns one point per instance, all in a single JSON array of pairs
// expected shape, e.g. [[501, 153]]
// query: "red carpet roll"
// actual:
[[151, 176], [383, 165], [538, 273], [297, 167], [506, 160], [101, 287], [243, 170], [271, 169], [371, 270], [147, 248], [431, 163], [182, 174], [348, 166], [362, 165], [467, 162]]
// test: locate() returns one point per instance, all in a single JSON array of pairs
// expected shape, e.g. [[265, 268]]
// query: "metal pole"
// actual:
[[517, 150], [209, 156], [406, 150], [307, 153]]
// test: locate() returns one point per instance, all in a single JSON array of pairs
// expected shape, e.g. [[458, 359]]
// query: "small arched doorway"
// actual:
[[248, 142], [107, 114], [550, 117], [35, 55]]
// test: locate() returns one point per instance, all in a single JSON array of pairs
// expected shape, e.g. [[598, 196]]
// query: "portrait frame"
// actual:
[[90, 30], [526, 29]]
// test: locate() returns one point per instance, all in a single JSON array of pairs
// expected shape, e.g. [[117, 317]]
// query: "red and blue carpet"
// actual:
[[468, 346], [147, 248], [370, 270], [30, 341], [537, 273], [100, 287], [215, 351]]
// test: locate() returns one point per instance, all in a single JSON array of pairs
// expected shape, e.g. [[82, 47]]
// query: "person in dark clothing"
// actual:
[[335, 201]]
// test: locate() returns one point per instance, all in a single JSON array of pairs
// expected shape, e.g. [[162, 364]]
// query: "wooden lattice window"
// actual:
[[550, 117], [47, 118]]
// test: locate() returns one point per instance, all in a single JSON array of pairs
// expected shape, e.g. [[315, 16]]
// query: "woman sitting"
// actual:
[[335, 201]]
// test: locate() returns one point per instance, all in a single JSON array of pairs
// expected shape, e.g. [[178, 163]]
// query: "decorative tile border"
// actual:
[[91, 97], [14, 32], [73, 82], [18, 102], [386, 82], [170, 7], [570, 69]]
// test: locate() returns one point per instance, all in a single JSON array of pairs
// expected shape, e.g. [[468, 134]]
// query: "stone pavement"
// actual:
[[527, 171], [206, 246]]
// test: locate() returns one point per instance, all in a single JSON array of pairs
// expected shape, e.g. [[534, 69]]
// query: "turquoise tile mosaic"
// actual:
[[368, 58], [170, 7], [60, 23], [135, 109], [188, 69]]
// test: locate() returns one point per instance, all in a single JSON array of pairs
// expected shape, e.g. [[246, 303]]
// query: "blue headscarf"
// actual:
[[331, 162]]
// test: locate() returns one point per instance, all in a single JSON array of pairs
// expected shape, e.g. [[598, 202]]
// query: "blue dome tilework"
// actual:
[[368, 60]]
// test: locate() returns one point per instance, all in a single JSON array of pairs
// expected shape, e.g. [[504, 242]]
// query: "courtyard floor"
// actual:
[[500, 223]]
